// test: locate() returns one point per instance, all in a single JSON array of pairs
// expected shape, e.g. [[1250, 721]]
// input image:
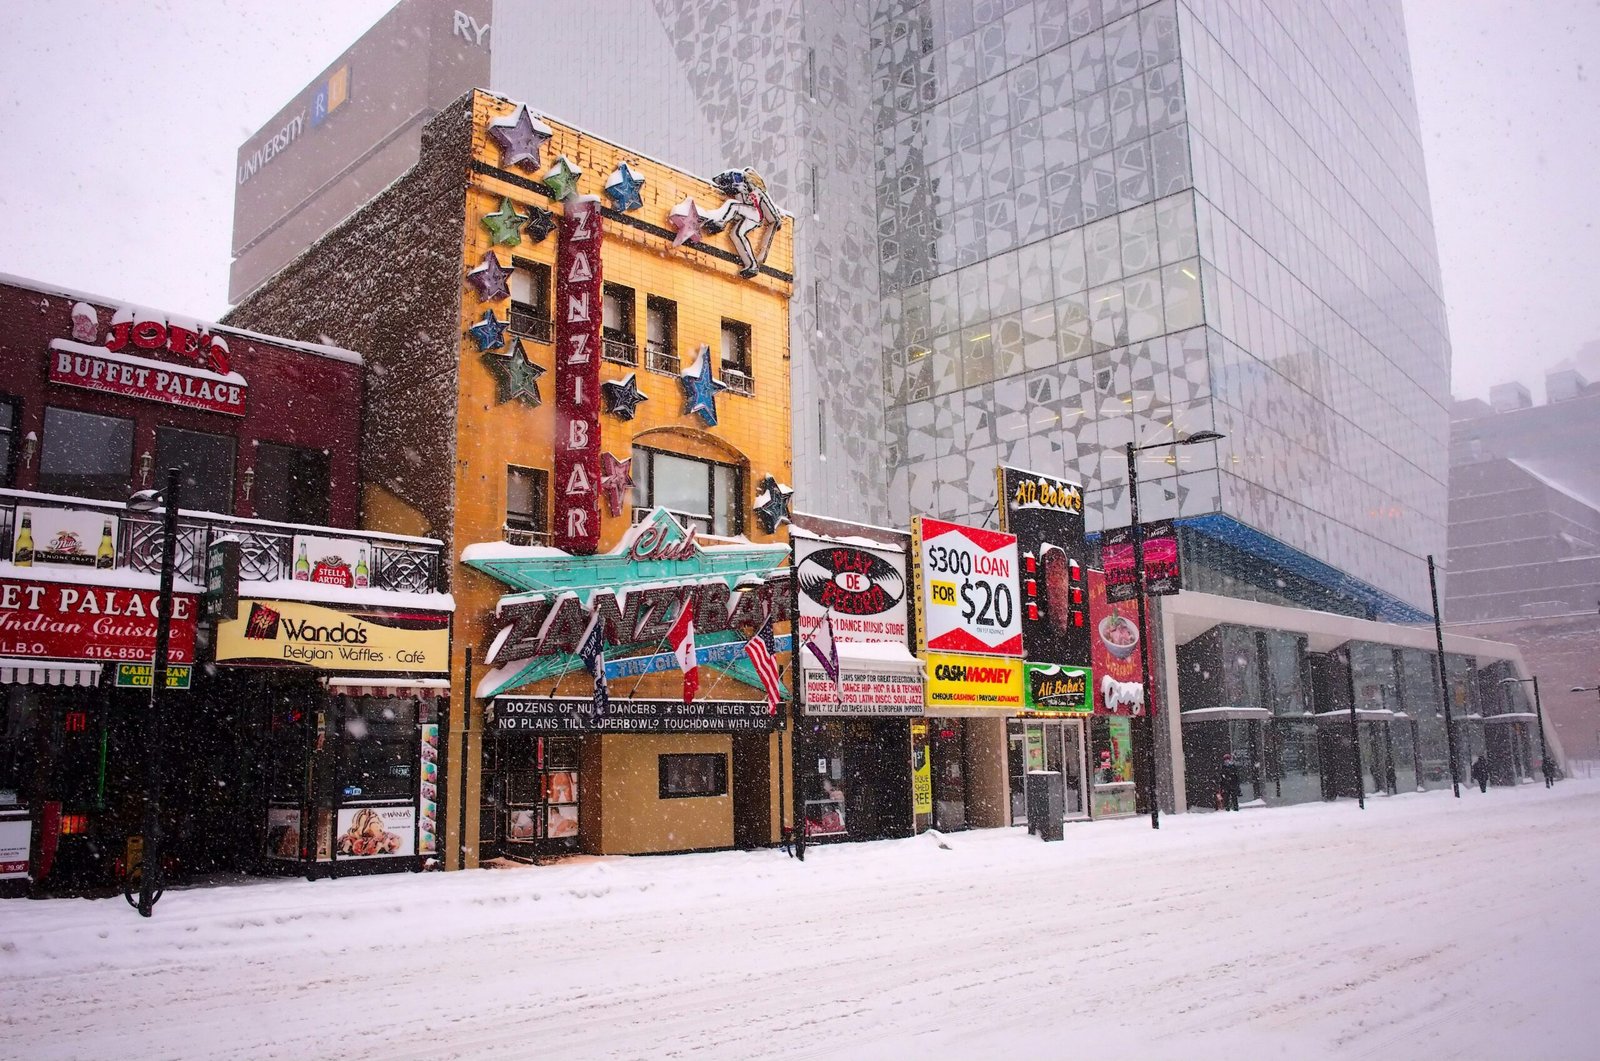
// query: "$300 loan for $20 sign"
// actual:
[[969, 588]]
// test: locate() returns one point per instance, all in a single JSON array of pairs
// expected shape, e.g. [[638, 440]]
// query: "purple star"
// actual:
[[519, 136], [490, 280], [686, 218], [616, 479]]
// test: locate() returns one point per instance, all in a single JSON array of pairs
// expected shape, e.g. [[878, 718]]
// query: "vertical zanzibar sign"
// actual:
[[577, 457]]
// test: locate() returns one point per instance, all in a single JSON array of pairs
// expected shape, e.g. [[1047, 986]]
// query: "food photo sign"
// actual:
[[1114, 653]]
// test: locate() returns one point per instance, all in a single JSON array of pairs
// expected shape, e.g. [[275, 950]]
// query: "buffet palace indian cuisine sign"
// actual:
[[156, 359]]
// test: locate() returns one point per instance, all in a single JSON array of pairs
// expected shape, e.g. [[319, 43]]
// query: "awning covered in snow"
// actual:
[[399, 688], [48, 672]]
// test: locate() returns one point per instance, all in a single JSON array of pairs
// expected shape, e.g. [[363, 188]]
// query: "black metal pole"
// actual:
[[1444, 684], [1355, 756], [797, 709], [466, 744], [1147, 745], [1544, 752], [150, 866]]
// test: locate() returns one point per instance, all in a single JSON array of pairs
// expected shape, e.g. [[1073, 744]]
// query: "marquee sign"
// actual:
[[273, 631], [149, 356], [577, 456], [573, 714], [967, 578], [1046, 515], [637, 588]]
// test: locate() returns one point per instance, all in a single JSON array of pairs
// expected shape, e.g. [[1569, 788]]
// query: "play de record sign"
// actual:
[[967, 579]]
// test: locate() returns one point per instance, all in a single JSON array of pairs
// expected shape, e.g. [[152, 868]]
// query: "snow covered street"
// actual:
[[1422, 927]]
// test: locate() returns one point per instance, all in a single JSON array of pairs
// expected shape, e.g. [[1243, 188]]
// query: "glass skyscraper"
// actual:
[[1032, 232]]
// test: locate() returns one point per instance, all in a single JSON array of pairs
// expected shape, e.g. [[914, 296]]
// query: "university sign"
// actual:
[[309, 635]]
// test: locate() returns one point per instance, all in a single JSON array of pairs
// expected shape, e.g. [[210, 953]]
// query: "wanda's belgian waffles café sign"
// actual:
[[151, 356]]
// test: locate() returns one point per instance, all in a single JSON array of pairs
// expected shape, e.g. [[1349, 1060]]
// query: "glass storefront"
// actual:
[[1111, 766], [1054, 746], [858, 786], [947, 744]]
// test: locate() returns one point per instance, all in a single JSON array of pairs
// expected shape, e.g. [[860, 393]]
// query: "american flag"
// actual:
[[760, 650]]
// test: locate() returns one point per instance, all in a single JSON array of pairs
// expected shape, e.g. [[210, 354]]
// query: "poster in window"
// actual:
[[522, 826], [428, 797], [283, 832], [561, 822], [15, 838], [377, 832]]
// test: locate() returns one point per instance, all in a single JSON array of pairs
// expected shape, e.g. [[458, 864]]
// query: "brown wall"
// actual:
[[634, 820], [988, 789]]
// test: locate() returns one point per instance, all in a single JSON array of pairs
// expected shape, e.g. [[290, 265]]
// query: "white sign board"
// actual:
[[332, 561], [67, 537], [967, 581], [863, 588], [14, 841], [376, 832]]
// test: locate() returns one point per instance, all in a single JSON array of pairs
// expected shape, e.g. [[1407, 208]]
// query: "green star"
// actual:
[[516, 378], [562, 178], [505, 224]]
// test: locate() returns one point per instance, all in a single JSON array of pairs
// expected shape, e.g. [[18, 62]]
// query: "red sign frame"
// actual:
[[577, 450], [97, 369], [75, 620]]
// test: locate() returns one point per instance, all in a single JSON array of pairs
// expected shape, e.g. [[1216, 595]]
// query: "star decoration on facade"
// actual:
[[687, 219], [622, 396], [490, 333], [700, 389], [505, 224], [616, 481], [772, 504], [540, 224], [623, 187], [562, 178], [516, 377], [491, 279], [519, 135]]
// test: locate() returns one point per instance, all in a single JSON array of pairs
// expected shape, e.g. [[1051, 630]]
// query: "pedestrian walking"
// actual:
[[1228, 782], [1480, 773]]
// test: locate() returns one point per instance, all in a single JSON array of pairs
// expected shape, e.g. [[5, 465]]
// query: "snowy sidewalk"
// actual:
[[1424, 926]]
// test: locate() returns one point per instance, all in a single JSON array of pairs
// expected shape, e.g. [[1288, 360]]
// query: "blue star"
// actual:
[[489, 332], [623, 186], [622, 396], [700, 389], [772, 504]]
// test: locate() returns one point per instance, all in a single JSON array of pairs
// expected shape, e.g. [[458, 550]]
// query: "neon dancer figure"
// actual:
[[747, 208]]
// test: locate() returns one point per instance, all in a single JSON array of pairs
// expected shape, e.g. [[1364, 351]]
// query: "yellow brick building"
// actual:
[[662, 306], [461, 283]]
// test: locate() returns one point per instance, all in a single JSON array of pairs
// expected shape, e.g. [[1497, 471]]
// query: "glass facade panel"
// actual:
[[206, 462]]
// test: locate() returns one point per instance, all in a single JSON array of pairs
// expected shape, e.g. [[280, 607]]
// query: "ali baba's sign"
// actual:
[[61, 620], [270, 631], [637, 589]]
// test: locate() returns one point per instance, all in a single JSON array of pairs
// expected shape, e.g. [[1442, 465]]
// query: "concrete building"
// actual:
[[1524, 561]]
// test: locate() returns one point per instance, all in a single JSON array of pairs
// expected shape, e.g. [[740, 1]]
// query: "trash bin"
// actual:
[[1046, 803]]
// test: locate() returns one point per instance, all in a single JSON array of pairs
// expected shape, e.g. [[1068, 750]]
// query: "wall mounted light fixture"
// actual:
[[147, 463], [30, 449], [248, 481]]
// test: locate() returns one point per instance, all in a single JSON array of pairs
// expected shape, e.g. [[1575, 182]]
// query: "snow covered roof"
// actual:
[[116, 578], [318, 593], [334, 353]]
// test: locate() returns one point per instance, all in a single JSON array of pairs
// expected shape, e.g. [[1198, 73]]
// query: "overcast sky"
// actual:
[[120, 122]]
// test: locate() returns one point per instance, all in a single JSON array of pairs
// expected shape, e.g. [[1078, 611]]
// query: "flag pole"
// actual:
[[797, 700]]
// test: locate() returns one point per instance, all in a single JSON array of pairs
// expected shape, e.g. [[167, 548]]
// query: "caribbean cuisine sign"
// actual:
[[327, 639], [968, 581], [75, 621]]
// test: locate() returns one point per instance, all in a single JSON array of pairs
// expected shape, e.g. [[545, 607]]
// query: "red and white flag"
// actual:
[[682, 638], [760, 650]]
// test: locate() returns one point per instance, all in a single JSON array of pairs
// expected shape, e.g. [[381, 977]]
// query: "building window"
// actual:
[[736, 371], [685, 776], [377, 748], [616, 324], [206, 462], [291, 484], [8, 438], [527, 503], [700, 494], [661, 335], [530, 300], [86, 455]]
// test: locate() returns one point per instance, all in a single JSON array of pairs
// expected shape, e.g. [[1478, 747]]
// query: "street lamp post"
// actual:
[[1538, 714], [150, 864], [1147, 730]]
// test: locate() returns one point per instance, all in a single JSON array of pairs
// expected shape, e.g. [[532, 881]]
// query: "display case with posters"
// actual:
[[540, 800]]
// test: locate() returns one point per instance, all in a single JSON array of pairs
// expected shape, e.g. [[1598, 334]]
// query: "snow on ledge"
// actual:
[[338, 596], [115, 578]]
